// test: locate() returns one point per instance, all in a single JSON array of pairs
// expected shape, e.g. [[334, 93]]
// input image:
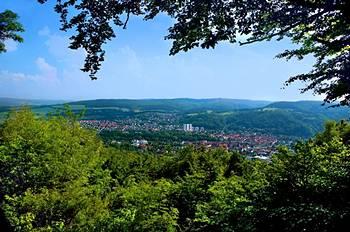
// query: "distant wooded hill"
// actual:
[[175, 105], [11, 102], [300, 119]]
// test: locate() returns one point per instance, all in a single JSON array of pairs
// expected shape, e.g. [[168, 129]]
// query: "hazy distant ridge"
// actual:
[[177, 105], [9, 102]]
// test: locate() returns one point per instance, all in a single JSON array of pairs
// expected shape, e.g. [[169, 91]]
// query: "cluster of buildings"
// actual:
[[191, 128], [99, 125], [142, 143], [148, 123], [252, 145], [247, 138]]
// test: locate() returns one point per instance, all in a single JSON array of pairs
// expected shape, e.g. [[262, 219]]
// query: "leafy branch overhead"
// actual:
[[9, 28], [320, 27]]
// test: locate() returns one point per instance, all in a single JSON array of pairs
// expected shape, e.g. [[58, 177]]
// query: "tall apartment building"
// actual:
[[188, 127]]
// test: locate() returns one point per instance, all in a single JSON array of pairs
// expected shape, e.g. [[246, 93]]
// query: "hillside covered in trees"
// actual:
[[301, 119], [57, 176]]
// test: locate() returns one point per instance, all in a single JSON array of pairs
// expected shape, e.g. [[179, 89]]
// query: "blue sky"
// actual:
[[138, 65]]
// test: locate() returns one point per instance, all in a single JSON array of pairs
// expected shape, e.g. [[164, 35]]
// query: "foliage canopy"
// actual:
[[9, 28], [57, 176]]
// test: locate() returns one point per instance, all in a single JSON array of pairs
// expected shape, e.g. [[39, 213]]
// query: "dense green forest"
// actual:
[[57, 176]]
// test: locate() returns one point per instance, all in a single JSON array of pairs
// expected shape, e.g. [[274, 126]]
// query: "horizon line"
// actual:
[[140, 99]]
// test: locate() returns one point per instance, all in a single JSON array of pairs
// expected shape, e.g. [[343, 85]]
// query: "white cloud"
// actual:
[[134, 64], [57, 46], [6, 75], [44, 31], [11, 45], [47, 74]]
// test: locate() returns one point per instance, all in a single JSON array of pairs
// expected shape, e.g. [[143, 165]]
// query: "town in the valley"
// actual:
[[253, 145]]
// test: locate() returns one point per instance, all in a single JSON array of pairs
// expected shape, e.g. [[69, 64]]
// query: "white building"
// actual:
[[138, 143], [188, 127]]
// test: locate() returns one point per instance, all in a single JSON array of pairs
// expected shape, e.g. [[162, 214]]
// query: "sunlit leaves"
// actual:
[[57, 176]]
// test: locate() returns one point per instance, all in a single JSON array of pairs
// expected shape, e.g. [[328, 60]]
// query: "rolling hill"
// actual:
[[314, 107], [299, 119], [174, 105], [12, 102]]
